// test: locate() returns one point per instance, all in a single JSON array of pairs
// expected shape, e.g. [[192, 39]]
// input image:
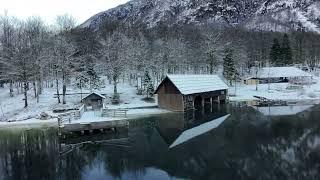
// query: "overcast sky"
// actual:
[[49, 9]]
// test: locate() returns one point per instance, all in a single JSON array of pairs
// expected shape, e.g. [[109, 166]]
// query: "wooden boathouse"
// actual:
[[184, 92]]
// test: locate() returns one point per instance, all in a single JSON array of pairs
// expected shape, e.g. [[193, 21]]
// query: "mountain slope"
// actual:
[[275, 15]]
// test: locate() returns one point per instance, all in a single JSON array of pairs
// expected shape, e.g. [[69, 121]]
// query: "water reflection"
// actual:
[[28, 155], [248, 145]]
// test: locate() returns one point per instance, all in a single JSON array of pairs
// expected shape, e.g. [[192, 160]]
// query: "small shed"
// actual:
[[284, 74], [93, 100], [251, 81], [183, 92]]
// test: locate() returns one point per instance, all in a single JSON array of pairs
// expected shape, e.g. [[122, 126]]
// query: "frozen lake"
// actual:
[[226, 142]]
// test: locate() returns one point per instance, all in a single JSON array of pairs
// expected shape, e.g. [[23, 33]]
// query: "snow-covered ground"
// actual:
[[12, 108], [276, 91], [30, 123]]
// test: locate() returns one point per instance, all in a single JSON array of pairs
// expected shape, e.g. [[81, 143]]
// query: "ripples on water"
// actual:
[[248, 145]]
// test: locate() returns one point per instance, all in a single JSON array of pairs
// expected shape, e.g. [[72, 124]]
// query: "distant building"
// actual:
[[280, 75], [93, 101], [183, 92], [251, 81]]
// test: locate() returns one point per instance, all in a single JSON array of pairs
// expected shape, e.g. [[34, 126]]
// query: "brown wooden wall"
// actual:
[[173, 102], [169, 97]]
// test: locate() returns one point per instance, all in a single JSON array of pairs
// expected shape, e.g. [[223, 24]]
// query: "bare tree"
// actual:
[[64, 49], [65, 23], [7, 48], [36, 35], [22, 59], [114, 50]]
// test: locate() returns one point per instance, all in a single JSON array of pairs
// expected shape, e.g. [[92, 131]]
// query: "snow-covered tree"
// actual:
[[275, 53], [114, 50], [64, 50], [148, 85], [286, 51], [212, 60], [7, 37], [36, 36], [85, 74], [229, 69]]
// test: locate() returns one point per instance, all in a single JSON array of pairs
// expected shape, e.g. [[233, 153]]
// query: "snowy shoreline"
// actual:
[[29, 124], [37, 123]]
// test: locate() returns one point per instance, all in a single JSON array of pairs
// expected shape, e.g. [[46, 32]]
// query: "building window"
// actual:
[[222, 92]]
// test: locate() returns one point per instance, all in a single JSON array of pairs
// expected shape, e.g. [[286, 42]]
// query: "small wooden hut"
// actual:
[[93, 101], [184, 92]]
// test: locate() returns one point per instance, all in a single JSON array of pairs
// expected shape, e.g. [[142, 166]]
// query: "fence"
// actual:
[[114, 113], [71, 116]]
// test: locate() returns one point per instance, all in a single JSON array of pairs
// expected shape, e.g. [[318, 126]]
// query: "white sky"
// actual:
[[49, 9]]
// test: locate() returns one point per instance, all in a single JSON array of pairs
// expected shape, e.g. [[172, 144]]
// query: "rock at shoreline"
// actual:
[[44, 116]]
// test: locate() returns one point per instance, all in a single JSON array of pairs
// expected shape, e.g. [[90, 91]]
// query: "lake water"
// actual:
[[249, 144]]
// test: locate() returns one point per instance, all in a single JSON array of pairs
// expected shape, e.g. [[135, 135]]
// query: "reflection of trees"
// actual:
[[28, 154], [246, 146], [72, 165], [280, 150]]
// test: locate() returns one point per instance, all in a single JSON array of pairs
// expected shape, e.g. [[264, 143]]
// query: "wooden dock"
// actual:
[[68, 125], [269, 102]]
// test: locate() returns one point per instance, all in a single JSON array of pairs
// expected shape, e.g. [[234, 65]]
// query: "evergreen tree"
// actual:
[[148, 85], [229, 70], [275, 53], [286, 52], [146, 79], [150, 90]]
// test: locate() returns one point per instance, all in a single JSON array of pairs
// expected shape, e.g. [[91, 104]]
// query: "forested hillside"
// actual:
[[34, 55]]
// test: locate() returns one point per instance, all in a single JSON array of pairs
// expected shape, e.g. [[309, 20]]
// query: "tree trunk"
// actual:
[[64, 90], [57, 86], [25, 87], [40, 81], [115, 89], [11, 88], [115, 79], [110, 80], [211, 67], [34, 89], [18, 87]]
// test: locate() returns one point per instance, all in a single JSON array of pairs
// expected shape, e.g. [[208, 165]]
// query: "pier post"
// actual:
[[193, 103], [202, 102]]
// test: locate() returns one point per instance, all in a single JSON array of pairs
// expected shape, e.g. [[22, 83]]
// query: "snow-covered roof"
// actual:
[[276, 72], [100, 95], [192, 84]]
